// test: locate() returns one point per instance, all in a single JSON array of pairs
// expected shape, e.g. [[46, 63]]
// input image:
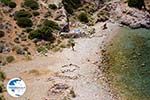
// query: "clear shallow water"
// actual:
[[129, 64]]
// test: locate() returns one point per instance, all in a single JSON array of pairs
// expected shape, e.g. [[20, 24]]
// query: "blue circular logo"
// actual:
[[16, 87]]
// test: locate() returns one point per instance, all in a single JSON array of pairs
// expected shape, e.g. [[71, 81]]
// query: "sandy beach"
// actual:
[[77, 69]]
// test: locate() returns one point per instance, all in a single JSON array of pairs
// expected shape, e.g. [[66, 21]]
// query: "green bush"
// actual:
[[6, 2], [35, 13], [12, 4], [51, 24], [2, 76], [83, 17], [2, 97], [24, 22], [52, 6], [136, 3], [22, 13], [2, 33], [9, 3], [42, 49], [44, 33], [28, 30], [10, 59], [1, 88], [32, 4], [70, 5]]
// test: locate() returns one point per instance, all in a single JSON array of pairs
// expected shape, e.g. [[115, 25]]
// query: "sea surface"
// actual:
[[128, 69]]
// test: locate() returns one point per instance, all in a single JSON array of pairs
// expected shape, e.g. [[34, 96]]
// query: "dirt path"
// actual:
[[76, 70]]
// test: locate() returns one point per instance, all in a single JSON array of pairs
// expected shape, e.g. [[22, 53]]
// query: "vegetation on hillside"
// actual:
[[2, 77], [6, 2], [52, 6], [45, 32], [32, 4], [136, 3], [83, 17], [24, 22], [12, 5], [71, 5], [22, 13], [35, 13], [51, 24], [9, 3]]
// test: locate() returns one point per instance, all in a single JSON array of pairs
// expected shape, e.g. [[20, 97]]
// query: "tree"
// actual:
[[51, 24], [12, 5], [32, 4], [9, 3], [83, 17], [52, 6], [44, 33], [35, 13], [71, 5], [22, 13], [24, 22], [136, 3]]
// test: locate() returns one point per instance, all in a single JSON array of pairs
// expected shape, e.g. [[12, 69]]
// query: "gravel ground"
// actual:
[[77, 69]]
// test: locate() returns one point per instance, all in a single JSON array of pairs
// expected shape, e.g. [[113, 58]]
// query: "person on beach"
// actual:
[[105, 26], [72, 44]]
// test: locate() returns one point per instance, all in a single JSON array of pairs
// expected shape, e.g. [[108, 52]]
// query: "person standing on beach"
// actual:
[[72, 43], [105, 26]]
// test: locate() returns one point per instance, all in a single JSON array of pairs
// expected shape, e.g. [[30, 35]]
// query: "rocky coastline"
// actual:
[[132, 17]]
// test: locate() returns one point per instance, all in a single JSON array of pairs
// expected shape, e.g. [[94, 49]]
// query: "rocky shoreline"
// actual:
[[132, 17], [111, 50]]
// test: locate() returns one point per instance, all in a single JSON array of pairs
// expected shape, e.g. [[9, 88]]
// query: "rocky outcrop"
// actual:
[[131, 17], [136, 19]]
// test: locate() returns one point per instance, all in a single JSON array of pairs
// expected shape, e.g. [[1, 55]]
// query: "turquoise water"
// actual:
[[129, 64]]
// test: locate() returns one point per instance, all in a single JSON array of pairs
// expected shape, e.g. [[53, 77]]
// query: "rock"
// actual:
[[1, 26], [72, 93], [135, 25], [2, 33], [124, 22], [17, 40], [59, 14], [58, 88], [20, 51], [131, 17], [4, 48], [145, 24]]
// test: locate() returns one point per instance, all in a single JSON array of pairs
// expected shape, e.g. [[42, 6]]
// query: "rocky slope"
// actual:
[[131, 17]]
